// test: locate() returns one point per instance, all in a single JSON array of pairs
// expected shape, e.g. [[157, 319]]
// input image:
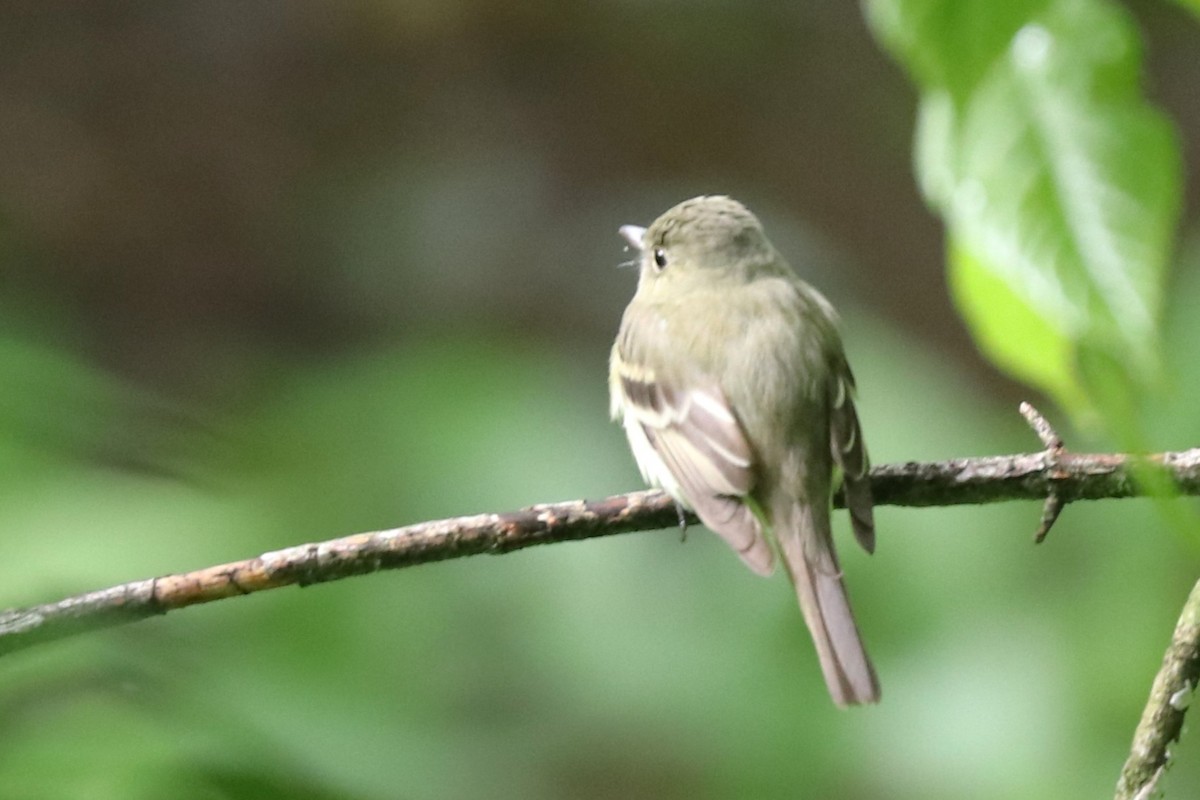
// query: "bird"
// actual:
[[730, 379]]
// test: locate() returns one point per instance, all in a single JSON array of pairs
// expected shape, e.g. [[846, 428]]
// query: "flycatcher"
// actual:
[[729, 377]]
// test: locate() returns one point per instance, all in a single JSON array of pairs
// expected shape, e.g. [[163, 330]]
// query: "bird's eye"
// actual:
[[660, 258]]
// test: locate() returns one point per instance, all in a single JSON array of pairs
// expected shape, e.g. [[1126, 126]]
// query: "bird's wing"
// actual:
[[687, 440], [850, 454]]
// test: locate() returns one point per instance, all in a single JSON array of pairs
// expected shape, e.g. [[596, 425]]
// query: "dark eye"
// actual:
[[660, 258]]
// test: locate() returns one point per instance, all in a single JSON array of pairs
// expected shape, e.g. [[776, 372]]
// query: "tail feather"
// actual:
[[807, 548]]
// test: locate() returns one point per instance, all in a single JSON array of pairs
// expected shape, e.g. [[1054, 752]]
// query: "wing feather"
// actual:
[[850, 454], [688, 441]]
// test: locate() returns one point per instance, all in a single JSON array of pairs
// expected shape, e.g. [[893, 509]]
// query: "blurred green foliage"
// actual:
[[250, 303], [1060, 186], [1192, 5], [630, 667]]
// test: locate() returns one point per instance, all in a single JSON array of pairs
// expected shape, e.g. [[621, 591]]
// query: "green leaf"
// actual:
[[1059, 184], [1008, 330]]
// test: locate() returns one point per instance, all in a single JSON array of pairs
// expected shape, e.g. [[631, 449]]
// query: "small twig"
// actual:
[[1054, 451], [1050, 511], [1162, 719], [332, 560], [1041, 427]]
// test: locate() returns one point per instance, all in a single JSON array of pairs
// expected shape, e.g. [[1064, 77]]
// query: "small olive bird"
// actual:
[[729, 377]]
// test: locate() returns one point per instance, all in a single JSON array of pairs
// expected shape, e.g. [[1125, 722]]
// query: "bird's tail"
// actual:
[[806, 544]]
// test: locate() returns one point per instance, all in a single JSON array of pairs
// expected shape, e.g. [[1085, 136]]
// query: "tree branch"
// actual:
[[1162, 719], [1033, 476]]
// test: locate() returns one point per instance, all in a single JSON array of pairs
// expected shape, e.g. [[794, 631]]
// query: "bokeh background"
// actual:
[[278, 272]]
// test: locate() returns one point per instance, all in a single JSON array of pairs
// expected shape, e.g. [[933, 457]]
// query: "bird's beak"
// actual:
[[633, 234]]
